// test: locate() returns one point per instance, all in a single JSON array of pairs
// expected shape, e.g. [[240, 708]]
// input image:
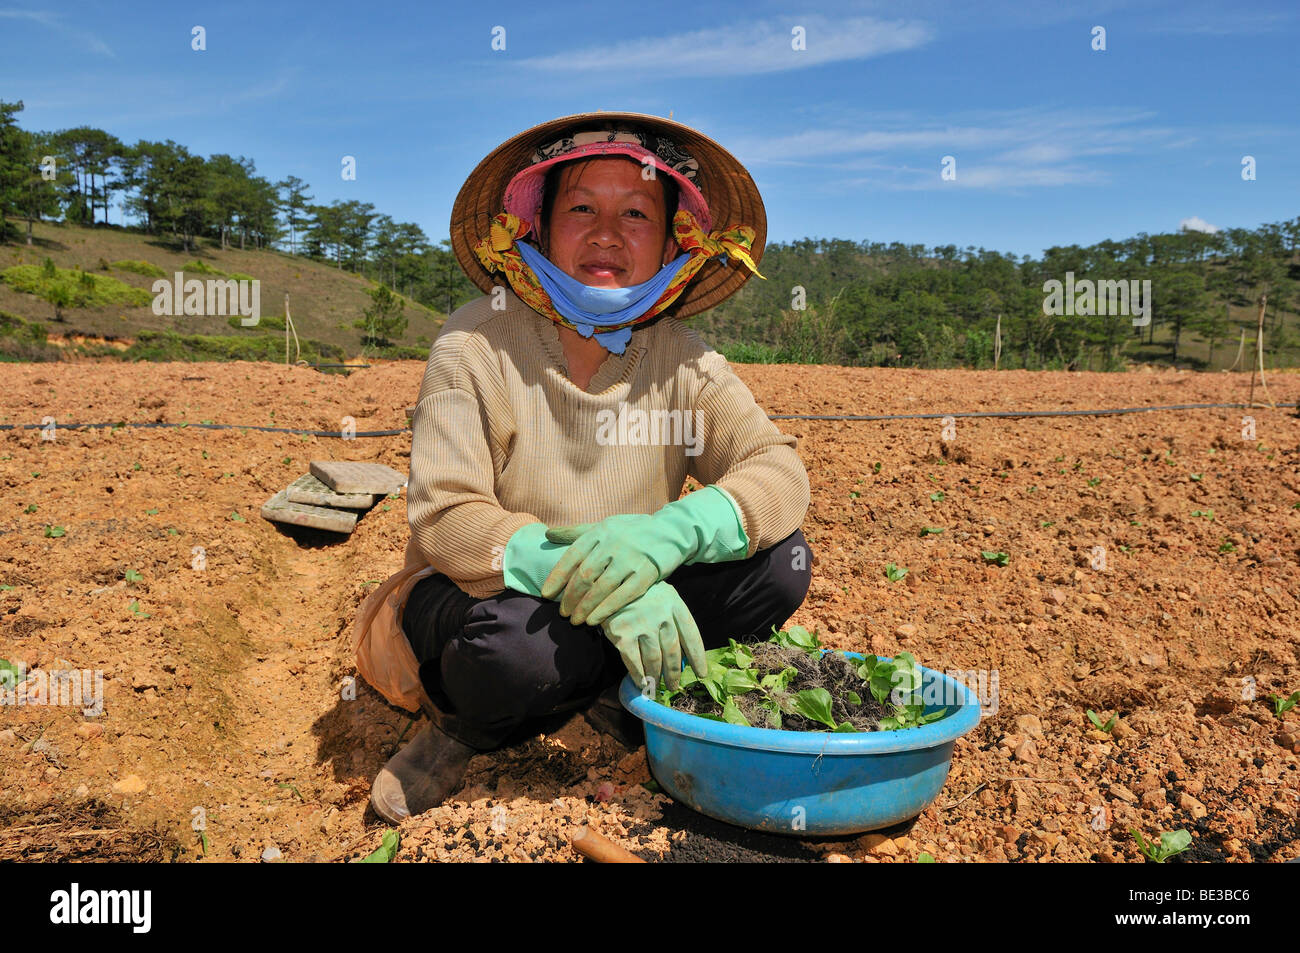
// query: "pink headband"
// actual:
[[523, 196]]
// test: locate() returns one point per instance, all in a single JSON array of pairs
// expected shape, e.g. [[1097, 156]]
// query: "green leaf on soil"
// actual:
[[385, 851], [999, 558], [894, 572], [1171, 842], [1283, 704], [9, 675]]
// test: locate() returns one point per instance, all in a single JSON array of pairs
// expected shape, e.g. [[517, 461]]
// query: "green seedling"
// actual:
[[894, 572], [1033, 489], [1059, 459], [237, 518], [1046, 523], [386, 850], [137, 611], [172, 530], [10, 675], [1171, 842], [290, 787], [205, 421], [731, 673], [1207, 514], [1093, 481], [136, 466], [387, 507], [5, 587], [287, 460], [931, 530], [998, 558], [205, 454], [152, 511], [1124, 549], [926, 858], [35, 475], [133, 576], [1227, 546], [897, 682], [854, 494], [937, 496], [1096, 720], [31, 508], [203, 840], [54, 532], [1197, 477], [1282, 705], [875, 468]]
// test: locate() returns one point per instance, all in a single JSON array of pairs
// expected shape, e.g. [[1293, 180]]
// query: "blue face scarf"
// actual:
[[591, 308]]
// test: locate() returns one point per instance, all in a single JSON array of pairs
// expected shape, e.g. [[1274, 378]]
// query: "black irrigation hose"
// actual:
[[1009, 413], [936, 416]]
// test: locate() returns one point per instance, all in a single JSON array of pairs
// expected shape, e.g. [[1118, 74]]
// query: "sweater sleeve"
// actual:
[[456, 520], [744, 453]]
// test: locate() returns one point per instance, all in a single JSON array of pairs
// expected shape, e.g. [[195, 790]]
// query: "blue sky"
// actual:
[[1055, 143]]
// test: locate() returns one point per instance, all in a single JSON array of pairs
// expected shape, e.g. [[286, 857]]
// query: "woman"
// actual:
[[557, 421]]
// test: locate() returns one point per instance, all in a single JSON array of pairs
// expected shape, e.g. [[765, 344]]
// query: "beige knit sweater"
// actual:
[[502, 438]]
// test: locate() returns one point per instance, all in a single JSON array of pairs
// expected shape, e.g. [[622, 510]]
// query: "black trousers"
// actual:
[[492, 664]]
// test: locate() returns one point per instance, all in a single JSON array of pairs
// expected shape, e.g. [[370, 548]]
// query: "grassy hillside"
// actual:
[[324, 301]]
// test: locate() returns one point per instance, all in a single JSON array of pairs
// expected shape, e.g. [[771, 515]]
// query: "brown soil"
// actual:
[[224, 706]]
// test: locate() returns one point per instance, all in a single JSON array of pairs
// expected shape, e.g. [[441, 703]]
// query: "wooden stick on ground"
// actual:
[[600, 849]]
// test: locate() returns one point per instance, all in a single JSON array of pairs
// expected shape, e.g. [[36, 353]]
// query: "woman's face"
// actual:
[[607, 224]]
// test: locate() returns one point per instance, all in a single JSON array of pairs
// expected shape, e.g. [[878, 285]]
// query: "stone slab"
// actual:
[[307, 489], [348, 476], [278, 509]]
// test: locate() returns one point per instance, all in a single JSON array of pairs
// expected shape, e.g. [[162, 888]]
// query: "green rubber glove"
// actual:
[[529, 558], [652, 634], [611, 563]]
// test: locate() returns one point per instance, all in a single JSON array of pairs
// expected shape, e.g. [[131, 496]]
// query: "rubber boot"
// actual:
[[421, 775]]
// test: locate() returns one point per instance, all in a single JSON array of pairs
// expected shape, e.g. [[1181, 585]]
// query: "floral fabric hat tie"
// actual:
[[557, 296]]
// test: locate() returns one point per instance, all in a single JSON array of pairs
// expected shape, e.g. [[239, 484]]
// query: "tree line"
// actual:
[[824, 300], [870, 303], [76, 174]]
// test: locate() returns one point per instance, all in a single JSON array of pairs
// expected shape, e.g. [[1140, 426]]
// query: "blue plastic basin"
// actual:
[[805, 782]]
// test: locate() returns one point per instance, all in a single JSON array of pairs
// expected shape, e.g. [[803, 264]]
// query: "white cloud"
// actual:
[[1008, 149], [745, 49], [1197, 224], [54, 22]]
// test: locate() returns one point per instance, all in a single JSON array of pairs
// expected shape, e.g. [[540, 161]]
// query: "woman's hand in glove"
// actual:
[[652, 634], [608, 566]]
